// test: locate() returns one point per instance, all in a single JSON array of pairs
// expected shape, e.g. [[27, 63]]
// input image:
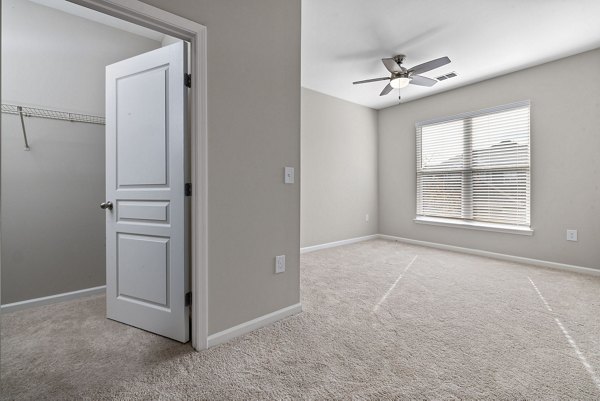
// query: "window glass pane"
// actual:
[[442, 146], [441, 195], [501, 197], [501, 139]]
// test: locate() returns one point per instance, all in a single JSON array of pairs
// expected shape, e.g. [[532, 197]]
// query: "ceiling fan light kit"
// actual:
[[401, 77], [399, 82]]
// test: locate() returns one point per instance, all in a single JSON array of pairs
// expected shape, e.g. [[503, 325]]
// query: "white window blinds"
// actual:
[[475, 166]]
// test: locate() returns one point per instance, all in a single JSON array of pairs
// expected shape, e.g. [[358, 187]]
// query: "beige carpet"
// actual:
[[451, 326]]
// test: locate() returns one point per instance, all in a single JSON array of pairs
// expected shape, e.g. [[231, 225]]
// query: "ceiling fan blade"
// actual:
[[422, 81], [386, 90], [371, 80], [430, 65], [391, 65]]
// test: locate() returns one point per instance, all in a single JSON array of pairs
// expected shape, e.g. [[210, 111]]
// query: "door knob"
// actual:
[[106, 205]]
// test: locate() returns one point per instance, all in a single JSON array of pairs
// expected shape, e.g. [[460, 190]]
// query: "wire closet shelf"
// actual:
[[52, 114]]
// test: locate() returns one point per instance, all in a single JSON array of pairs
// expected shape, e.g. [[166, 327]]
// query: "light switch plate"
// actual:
[[571, 235], [288, 175], [279, 264]]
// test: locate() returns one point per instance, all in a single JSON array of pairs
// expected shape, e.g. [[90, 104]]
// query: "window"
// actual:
[[473, 169]]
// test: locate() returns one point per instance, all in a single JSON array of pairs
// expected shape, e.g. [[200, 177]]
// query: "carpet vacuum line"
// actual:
[[393, 285], [570, 340]]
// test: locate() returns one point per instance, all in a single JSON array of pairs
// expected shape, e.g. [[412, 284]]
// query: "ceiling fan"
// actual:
[[402, 77]]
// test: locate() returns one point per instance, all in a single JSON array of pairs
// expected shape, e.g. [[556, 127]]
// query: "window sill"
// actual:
[[474, 225]]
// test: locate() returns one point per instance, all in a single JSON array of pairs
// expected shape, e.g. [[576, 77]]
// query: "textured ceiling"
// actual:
[[344, 40]]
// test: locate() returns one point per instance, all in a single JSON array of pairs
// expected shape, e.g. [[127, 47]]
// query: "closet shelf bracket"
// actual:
[[20, 110]]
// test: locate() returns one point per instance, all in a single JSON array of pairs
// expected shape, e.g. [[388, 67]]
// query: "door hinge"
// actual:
[[188, 298], [187, 80], [188, 189]]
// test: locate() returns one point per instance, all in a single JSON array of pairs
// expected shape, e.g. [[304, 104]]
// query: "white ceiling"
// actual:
[[344, 40], [101, 18]]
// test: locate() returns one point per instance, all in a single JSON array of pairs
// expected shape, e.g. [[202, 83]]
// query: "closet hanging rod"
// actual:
[[52, 114]]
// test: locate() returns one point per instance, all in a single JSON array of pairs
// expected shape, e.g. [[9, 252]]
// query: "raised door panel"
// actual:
[[143, 269], [141, 128], [145, 212]]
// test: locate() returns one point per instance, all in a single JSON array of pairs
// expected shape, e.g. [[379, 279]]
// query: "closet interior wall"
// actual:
[[53, 235]]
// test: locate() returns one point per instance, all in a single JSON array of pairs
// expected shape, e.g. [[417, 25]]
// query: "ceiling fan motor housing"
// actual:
[[399, 59]]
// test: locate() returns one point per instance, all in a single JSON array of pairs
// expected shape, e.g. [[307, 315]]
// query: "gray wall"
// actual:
[[54, 59], [52, 228], [565, 162], [339, 169], [253, 132]]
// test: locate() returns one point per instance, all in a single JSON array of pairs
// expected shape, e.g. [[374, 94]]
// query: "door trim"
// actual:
[[174, 25]]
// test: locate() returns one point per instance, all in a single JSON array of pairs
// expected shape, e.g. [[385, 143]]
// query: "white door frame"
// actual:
[[174, 25]]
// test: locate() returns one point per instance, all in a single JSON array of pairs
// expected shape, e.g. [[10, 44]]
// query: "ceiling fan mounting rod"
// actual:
[[399, 59]]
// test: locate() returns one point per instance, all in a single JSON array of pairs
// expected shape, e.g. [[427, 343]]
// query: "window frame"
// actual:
[[467, 206]]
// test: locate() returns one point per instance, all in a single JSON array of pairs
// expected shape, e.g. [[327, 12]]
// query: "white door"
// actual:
[[147, 273]]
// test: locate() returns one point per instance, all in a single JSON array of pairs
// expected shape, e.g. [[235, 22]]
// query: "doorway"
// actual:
[[40, 137]]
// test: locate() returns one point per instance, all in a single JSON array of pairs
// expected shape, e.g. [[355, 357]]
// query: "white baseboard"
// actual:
[[240, 329], [30, 303], [313, 248], [494, 255]]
